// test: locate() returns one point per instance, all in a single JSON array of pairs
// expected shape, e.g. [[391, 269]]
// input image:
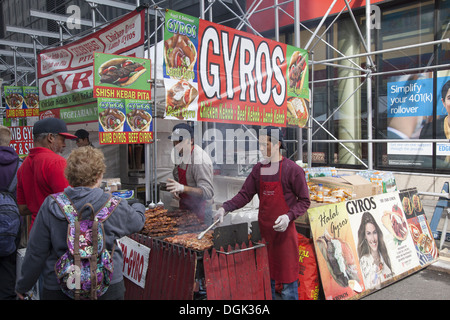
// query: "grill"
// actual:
[[234, 269]]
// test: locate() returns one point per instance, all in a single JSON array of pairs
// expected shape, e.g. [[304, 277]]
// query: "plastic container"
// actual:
[[320, 193]]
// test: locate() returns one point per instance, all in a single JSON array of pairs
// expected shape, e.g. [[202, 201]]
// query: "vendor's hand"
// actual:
[[176, 196], [219, 215], [281, 223], [20, 296], [174, 187]]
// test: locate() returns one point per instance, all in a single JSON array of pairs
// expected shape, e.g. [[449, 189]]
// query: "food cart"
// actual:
[[226, 264]]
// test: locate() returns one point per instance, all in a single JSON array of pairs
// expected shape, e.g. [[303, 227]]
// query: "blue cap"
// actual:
[[181, 131], [52, 125], [274, 133]]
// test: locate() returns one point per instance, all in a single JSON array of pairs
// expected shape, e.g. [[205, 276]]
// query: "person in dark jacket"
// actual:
[[9, 162], [83, 138], [84, 171]]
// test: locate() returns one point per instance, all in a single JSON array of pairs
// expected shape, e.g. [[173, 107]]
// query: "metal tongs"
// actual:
[[201, 235]]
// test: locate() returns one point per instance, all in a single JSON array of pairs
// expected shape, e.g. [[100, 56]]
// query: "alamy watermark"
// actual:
[[74, 20], [375, 17], [221, 147]]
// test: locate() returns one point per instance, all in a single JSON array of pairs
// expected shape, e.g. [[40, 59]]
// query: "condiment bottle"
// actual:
[[320, 193]]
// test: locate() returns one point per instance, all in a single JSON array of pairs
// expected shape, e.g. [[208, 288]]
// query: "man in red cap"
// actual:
[[42, 172]]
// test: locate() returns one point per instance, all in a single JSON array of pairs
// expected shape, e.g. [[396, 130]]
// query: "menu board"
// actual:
[[124, 121], [21, 139], [121, 77], [123, 99], [364, 244], [21, 101], [218, 74]]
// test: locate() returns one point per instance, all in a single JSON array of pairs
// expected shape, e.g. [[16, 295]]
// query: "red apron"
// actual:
[[282, 247], [187, 202]]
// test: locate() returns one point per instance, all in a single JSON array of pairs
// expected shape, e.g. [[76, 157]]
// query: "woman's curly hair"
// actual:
[[84, 166]]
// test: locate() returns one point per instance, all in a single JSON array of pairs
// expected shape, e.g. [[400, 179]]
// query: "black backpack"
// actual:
[[9, 217]]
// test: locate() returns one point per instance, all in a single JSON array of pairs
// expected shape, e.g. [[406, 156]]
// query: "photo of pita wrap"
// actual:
[[14, 101], [120, 71], [423, 241], [31, 100], [298, 108], [297, 67], [179, 52], [417, 204], [179, 97], [340, 261], [112, 120], [139, 120], [407, 207], [395, 224]]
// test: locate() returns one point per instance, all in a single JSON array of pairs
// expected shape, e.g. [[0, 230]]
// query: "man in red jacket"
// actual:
[[42, 172]]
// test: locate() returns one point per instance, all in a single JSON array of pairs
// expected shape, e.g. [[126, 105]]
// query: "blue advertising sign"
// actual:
[[410, 98]]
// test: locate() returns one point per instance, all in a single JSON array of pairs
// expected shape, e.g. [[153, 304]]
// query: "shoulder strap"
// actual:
[[66, 206], [72, 214], [108, 208], [13, 183]]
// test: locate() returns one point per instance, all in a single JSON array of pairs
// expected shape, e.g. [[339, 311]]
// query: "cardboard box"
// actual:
[[359, 186]]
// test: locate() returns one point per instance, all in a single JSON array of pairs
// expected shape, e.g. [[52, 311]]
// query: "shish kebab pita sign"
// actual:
[[123, 99]]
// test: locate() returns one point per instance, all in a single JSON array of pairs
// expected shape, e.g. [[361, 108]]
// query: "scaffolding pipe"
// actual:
[[35, 59], [311, 112], [386, 141], [148, 167], [320, 24], [369, 63], [385, 73], [297, 44], [429, 43], [15, 64]]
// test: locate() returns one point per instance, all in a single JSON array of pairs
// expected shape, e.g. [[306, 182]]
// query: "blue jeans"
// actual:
[[289, 291]]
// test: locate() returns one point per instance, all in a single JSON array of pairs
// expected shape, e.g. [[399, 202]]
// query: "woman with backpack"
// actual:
[[72, 222]]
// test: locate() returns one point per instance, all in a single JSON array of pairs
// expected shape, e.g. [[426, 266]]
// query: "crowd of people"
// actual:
[[66, 205]]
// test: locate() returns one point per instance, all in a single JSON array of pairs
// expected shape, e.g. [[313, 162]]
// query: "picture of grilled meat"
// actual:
[[296, 68], [111, 120], [179, 52], [139, 120], [340, 260], [120, 71]]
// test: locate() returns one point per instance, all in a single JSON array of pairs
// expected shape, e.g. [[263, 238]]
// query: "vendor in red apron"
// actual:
[[193, 174], [283, 196]]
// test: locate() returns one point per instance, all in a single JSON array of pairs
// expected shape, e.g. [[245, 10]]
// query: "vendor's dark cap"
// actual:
[[181, 131], [82, 134], [52, 125], [275, 133]]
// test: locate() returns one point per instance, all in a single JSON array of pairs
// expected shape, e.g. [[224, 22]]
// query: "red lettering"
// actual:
[[82, 77], [125, 258], [140, 267], [130, 262], [62, 81], [46, 86]]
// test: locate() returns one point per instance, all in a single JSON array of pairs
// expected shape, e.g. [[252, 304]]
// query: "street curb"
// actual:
[[441, 265]]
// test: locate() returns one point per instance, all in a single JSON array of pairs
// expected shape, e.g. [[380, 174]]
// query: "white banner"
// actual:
[[66, 73], [135, 260]]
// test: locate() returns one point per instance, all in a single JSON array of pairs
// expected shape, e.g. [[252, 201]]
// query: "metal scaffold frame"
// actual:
[[243, 17]]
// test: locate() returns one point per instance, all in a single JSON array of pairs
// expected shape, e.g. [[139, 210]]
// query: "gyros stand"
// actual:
[[231, 269]]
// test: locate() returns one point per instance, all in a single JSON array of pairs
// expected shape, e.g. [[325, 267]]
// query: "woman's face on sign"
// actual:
[[446, 101]]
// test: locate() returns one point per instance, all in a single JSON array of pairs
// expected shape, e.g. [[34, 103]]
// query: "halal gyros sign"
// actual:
[[215, 73]]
